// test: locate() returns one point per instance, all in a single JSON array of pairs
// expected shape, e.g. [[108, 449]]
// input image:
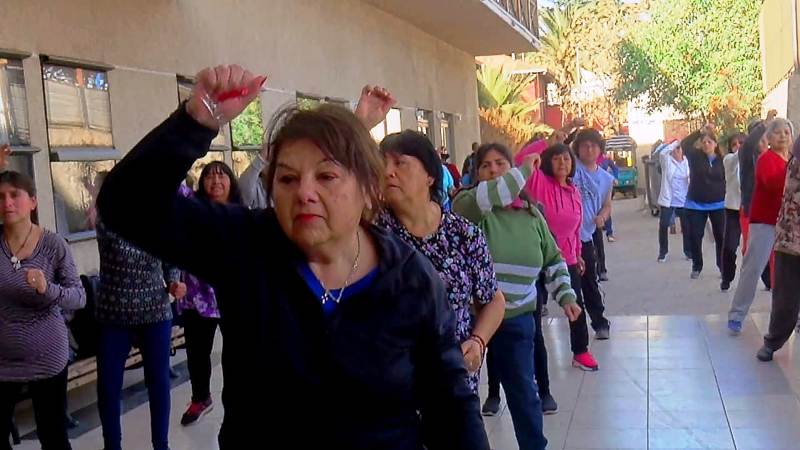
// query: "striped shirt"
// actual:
[[33, 333], [521, 245]]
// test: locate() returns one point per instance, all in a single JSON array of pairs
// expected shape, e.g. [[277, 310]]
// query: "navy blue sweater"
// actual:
[[384, 372]]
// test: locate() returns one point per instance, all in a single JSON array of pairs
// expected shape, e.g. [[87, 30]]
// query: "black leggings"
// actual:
[[199, 332], [697, 222], [49, 398]]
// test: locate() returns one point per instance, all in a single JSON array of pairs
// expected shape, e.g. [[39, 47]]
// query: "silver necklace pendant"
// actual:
[[16, 263]]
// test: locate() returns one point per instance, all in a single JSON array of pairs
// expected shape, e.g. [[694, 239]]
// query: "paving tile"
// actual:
[[615, 420], [691, 437], [599, 438], [609, 403], [663, 419], [766, 438], [676, 402]]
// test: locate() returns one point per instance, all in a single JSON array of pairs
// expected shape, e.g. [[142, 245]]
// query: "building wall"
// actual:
[[778, 40], [319, 48]]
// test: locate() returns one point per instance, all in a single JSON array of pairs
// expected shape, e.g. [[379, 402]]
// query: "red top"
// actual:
[[768, 192]]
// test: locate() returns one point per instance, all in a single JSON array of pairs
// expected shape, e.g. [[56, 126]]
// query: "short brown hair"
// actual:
[[339, 135]]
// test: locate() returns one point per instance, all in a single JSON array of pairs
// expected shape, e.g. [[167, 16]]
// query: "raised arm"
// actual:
[[500, 192], [140, 200], [253, 192]]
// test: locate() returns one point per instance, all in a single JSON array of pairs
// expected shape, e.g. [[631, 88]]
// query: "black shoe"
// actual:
[[491, 406], [603, 333], [724, 286], [549, 405], [765, 354]]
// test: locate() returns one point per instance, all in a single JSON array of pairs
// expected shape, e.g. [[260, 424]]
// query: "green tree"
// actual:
[[500, 89], [248, 129], [584, 35], [700, 57]]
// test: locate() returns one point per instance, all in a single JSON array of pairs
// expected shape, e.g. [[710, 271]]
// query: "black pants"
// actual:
[[199, 332], [665, 220], [732, 237], [785, 300], [49, 398], [697, 224], [592, 297], [539, 352], [600, 249], [578, 331]]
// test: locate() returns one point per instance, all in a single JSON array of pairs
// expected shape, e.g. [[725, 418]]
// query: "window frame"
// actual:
[[26, 151]]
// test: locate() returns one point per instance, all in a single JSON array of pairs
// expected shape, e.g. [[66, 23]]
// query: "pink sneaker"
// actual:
[[585, 361]]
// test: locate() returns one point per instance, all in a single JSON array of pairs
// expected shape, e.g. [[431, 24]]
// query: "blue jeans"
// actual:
[[115, 344], [512, 348]]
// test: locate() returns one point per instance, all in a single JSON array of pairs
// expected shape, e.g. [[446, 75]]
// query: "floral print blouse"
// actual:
[[787, 238], [459, 252]]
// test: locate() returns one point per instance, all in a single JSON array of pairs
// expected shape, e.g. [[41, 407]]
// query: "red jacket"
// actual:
[[768, 192]]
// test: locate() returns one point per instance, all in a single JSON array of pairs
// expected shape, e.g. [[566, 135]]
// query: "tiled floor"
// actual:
[[667, 380], [677, 382]]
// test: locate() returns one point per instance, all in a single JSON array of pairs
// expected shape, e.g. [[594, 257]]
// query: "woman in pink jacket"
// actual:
[[551, 187]]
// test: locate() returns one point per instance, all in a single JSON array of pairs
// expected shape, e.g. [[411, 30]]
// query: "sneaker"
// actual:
[[603, 276], [549, 405], [491, 406], [765, 354], [612, 239], [725, 286], [695, 274], [734, 327], [662, 258], [603, 334], [195, 411], [585, 361]]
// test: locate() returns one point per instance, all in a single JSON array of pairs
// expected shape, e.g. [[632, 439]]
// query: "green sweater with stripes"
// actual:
[[520, 242]]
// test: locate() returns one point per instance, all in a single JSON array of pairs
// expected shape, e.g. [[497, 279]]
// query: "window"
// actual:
[[14, 127], [13, 104], [424, 122], [307, 101], [247, 129], [75, 188], [446, 131], [553, 97], [78, 111], [389, 125], [78, 107], [185, 86]]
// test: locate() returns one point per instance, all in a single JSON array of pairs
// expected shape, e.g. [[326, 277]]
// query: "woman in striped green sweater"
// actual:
[[522, 248]]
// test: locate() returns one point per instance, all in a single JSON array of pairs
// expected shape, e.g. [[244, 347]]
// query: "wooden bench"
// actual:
[[84, 371]]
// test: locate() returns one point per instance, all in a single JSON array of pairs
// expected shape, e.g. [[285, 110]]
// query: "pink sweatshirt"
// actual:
[[561, 204]]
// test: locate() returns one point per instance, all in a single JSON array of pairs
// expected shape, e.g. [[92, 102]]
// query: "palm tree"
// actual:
[[501, 90]]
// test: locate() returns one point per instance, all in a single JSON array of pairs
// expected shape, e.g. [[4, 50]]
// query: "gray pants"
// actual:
[[759, 249], [785, 300]]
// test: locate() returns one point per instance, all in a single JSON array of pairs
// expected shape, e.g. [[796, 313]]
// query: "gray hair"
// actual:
[[779, 122]]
